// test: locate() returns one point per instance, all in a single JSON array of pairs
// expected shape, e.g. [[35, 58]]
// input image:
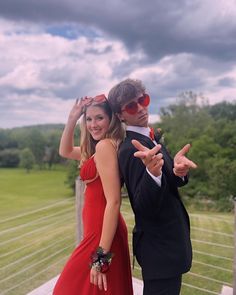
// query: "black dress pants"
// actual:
[[170, 286]]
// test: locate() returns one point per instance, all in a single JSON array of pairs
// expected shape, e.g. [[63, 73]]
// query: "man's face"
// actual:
[[135, 111]]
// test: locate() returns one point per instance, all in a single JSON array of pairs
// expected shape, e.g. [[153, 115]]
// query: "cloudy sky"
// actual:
[[52, 51]]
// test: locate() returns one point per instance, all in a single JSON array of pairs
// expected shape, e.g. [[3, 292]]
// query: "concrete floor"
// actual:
[[46, 289]]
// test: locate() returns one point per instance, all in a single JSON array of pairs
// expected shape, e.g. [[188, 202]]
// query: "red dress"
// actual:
[[75, 278]]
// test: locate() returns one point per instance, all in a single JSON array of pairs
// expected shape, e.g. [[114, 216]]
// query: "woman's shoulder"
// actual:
[[106, 144], [105, 151]]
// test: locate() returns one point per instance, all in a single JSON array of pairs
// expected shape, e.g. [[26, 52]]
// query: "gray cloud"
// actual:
[[159, 28], [105, 50], [56, 50], [228, 82]]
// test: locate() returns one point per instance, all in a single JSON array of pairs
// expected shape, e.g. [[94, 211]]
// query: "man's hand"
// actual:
[[149, 157], [181, 163]]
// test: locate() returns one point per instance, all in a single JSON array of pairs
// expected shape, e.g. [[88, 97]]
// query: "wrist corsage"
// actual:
[[100, 261]]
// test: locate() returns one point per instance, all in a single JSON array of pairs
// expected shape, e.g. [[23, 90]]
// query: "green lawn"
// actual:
[[21, 191], [37, 235], [37, 227]]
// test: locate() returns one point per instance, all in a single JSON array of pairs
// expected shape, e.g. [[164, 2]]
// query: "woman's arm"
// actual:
[[109, 174], [107, 167], [67, 148]]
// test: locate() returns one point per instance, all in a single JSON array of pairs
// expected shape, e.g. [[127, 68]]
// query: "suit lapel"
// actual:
[[167, 159], [140, 137]]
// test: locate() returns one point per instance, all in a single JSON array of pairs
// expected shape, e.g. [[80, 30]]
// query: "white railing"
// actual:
[[15, 240]]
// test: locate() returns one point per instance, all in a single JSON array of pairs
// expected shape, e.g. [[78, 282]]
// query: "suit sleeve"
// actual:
[[146, 195], [181, 182]]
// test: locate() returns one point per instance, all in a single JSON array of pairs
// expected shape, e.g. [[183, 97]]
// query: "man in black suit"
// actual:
[[161, 236]]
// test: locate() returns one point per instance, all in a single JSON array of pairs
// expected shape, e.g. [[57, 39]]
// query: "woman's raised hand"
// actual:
[[79, 107]]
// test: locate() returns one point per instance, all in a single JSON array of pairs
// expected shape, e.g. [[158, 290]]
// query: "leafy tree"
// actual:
[[3, 139], [27, 159], [72, 174], [9, 158], [36, 143], [183, 122], [224, 134], [6, 142], [51, 155], [211, 131], [224, 110], [221, 180]]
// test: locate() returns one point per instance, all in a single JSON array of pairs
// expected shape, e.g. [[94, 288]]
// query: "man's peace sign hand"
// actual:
[[149, 157], [181, 163]]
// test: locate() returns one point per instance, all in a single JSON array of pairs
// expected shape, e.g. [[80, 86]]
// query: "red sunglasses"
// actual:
[[132, 107], [97, 99]]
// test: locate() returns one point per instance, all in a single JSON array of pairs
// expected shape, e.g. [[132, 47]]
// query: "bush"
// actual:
[[9, 158], [27, 159], [72, 174]]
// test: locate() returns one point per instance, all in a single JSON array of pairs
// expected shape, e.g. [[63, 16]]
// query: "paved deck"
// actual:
[[46, 289], [226, 291]]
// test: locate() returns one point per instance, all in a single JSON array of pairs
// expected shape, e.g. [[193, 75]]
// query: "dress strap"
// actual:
[[114, 144], [91, 180]]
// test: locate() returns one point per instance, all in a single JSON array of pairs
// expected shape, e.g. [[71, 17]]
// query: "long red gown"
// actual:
[[75, 277]]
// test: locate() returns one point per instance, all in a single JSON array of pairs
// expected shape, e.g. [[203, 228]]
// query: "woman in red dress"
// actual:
[[101, 262]]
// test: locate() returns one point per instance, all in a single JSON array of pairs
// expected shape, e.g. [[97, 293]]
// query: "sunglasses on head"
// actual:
[[132, 107], [97, 99]]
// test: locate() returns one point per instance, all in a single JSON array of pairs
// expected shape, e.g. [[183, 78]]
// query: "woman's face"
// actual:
[[97, 122]]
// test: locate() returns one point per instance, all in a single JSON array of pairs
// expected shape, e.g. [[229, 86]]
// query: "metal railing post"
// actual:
[[79, 196]]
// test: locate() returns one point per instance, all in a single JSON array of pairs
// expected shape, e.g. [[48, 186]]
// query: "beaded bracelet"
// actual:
[[100, 261]]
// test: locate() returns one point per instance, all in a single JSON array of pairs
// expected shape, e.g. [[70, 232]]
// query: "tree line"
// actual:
[[31, 146], [210, 129]]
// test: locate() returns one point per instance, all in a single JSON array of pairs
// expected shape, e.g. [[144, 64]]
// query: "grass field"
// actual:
[[24, 191], [37, 234]]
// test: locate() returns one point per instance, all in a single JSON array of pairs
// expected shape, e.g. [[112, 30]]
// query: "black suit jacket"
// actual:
[[161, 236]]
